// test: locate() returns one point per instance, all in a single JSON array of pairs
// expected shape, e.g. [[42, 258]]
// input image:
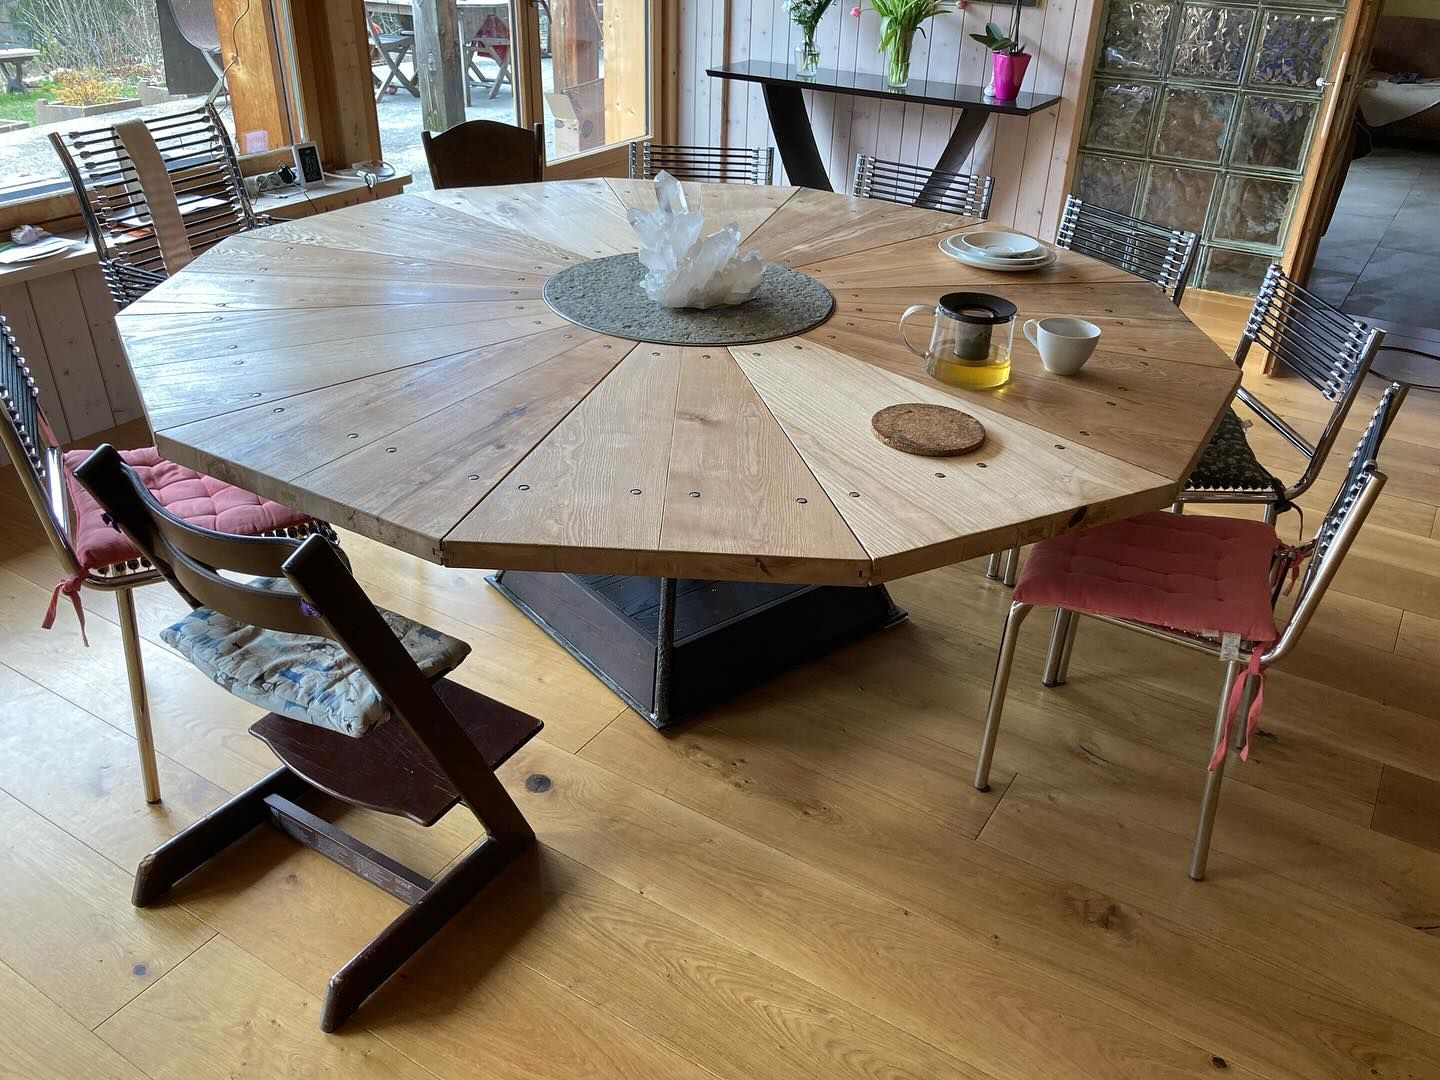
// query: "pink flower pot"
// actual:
[[1009, 74]]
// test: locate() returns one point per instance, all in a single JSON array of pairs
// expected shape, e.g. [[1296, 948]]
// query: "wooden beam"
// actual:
[[437, 64], [250, 53]]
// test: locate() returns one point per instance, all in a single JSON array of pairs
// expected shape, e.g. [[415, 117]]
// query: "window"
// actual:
[[86, 63]]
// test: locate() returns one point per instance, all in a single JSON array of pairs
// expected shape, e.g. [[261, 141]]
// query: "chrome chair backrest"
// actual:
[[1153, 252], [703, 164], [914, 185], [202, 167], [32, 450], [1337, 529], [1330, 350]]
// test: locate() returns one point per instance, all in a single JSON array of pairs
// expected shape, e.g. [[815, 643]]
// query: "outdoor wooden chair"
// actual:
[[703, 164], [155, 194], [1153, 252], [1209, 583], [479, 153], [392, 45], [361, 712], [913, 185], [488, 38], [95, 556]]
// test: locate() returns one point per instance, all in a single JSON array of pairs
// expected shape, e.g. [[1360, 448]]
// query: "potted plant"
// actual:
[[1008, 58], [899, 19], [806, 14]]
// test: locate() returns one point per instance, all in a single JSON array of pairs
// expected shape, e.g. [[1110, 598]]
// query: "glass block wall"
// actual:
[[1200, 117]]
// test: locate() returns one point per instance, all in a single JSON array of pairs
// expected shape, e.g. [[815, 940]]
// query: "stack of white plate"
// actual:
[[998, 250]]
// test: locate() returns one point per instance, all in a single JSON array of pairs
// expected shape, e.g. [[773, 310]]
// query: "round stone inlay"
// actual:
[[605, 295]]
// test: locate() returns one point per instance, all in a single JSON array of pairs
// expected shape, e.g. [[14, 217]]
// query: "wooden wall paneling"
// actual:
[[1049, 74], [114, 368], [73, 363], [1070, 113], [15, 306]]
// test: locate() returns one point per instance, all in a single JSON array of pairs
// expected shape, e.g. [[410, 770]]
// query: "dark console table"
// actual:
[[796, 140]]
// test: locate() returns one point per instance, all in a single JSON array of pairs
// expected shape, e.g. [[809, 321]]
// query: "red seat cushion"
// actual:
[[194, 497], [1178, 571]]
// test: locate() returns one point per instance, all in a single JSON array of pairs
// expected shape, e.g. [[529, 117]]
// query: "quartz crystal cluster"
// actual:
[[684, 271]]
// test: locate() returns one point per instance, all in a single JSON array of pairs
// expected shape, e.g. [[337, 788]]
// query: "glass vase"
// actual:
[[897, 59], [807, 58]]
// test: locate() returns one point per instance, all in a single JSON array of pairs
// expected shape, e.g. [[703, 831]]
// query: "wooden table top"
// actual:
[[391, 367]]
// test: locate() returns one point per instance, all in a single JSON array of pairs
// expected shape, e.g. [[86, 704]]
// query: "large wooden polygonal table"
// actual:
[[392, 368]]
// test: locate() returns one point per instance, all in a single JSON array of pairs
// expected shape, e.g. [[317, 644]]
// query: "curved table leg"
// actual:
[[795, 138]]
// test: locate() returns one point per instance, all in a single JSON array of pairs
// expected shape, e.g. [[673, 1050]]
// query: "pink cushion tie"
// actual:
[[191, 496], [1202, 575]]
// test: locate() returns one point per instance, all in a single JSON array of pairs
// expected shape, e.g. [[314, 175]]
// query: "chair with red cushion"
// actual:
[[93, 553], [1210, 583]]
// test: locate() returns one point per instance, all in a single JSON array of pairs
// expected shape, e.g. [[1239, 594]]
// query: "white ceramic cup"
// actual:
[[1064, 344]]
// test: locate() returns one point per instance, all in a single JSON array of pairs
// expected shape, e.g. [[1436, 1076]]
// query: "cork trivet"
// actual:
[[928, 430]]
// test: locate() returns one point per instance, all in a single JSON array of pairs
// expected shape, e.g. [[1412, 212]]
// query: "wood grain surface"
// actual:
[[391, 367]]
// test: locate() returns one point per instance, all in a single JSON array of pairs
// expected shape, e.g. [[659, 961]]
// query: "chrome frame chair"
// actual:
[[1337, 530], [437, 749], [1163, 256], [914, 185], [201, 165], [1330, 350], [703, 164], [39, 463]]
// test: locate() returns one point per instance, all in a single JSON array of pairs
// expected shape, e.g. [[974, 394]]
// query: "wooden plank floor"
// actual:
[[801, 883]]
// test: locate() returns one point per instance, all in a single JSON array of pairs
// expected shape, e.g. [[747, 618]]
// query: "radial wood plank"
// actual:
[[168, 337], [326, 424], [407, 224], [737, 487], [223, 1012], [895, 260], [180, 393], [226, 290], [903, 967], [1408, 806], [913, 513], [748, 206], [1153, 412], [551, 213], [1136, 959], [597, 482], [815, 225], [255, 256], [39, 1041], [412, 487]]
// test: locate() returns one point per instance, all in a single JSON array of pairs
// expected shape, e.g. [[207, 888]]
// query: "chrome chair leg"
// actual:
[[1003, 663], [992, 567], [139, 698], [1062, 641], [1210, 800], [1271, 512], [1012, 567]]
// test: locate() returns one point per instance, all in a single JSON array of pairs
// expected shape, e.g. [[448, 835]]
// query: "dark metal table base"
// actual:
[[668, 647], [795, 138]]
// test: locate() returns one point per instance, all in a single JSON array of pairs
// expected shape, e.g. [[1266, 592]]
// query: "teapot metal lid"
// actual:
[[980, 309]]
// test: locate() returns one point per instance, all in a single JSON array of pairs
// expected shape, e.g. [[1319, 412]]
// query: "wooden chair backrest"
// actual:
[[481, 153]]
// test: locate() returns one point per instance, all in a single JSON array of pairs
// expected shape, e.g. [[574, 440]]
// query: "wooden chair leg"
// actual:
[[413, 927], [139, 696], [192, 847]]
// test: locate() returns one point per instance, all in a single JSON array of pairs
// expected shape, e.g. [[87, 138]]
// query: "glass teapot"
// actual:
[[970, 343]]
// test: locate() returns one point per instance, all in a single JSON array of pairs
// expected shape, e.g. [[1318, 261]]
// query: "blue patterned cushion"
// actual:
[[311, 679]]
